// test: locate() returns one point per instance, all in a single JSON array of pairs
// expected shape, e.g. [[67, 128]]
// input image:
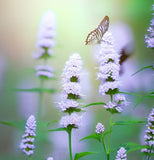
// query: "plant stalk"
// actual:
[[109, 142], [70, 142], [149, 155], [40, 99], [104, 146], [29, 158]]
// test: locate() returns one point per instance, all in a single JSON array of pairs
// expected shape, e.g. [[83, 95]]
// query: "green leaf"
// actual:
[[142, 69], [58, 129], [49, 123], [82, 154], [34, 90], [105, 133], [130, 147], [129, 122], [92, 136], [133, 94], [92, 104], [16, 124], [149, 95]]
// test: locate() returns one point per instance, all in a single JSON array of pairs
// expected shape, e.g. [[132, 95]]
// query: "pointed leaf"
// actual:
[[141, 99], [49, 123], [92, 104], [17, 124], [130, 147], [82, 154], [92, 136], [129, 122], [105, 133], [133, 94], [142, 69], [58, 129]]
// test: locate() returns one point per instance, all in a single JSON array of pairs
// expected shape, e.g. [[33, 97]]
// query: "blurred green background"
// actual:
[[19, 21]]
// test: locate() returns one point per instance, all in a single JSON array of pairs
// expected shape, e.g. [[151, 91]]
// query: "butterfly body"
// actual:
[[95, 36]]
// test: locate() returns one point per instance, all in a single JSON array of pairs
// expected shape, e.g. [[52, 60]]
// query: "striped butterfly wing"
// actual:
[[96, 35]]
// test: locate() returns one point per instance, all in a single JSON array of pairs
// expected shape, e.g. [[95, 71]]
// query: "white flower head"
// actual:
[[44, 71], [67, 103], [72, 120], [107, 39], [117, 105], [72, 88], [109, 70], [149, 38], [149, 136], [72, 68], [109, 85], [46, 35], [121, 154], [99, 128], [108, 59], [26, 144]]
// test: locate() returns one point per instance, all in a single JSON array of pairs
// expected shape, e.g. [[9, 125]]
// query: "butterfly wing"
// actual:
[[92, 37], [104, 25], [96, 35]]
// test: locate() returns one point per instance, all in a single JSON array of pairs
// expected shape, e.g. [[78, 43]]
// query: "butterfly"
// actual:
[[95, 36]]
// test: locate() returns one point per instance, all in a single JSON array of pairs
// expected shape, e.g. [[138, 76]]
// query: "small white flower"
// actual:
[[118, 104], [108, 59], [99, 128], [109, 70], [73, 120], [27, 143], [108, 85], [72, 68], [110, 105], [149, 39], [72, 88], [107, 39], [121, 154], [149, 136], [45, 71], [41, 52], [46, 35], [68, 103]]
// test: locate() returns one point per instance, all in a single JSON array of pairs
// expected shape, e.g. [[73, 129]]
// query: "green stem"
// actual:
[[45, 61], [104, 146], [149, 155], [111, 96], [70, 142], [109, 142], [108, 156], [40, 99], [29, 158], [41, 93]]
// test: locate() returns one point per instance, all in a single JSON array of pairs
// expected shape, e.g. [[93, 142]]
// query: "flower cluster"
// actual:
[[121, 154], [27, 143], [149, 39], [149, 136], [99, 128], [44, 71], [71, 92], [73, 120], [46, 35], [109, 67], [45, 43], [117, 105]]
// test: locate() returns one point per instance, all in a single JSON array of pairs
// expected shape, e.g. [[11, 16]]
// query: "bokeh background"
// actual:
[[19, 21]]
